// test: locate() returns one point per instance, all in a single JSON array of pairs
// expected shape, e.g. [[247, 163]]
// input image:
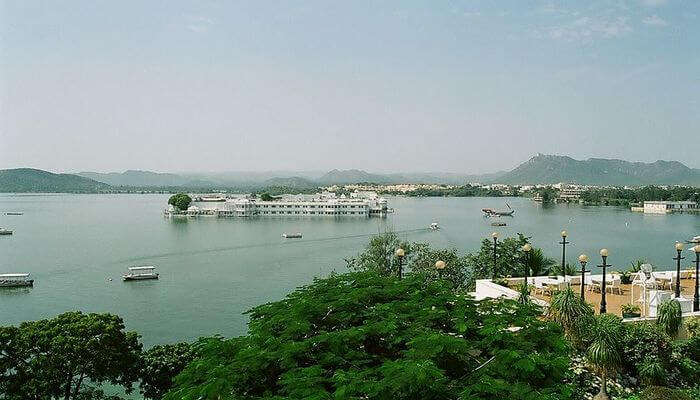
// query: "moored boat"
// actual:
[[14, 213], [15, 280], [140, 273], [292, 235], [434, 226], [498, 224], [695, 239], [4, 231]]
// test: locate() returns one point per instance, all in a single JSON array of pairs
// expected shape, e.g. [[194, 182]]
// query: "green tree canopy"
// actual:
[[181, 201], [363, 335], [53, 358], [160, 364]]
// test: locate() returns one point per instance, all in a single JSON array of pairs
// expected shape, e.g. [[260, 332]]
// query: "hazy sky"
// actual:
[[463, 86]]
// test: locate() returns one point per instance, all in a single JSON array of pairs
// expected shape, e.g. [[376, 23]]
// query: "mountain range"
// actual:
[[540, 169]]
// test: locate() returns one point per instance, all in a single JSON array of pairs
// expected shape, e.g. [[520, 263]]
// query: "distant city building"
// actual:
[[570, 193], [665, 207], [360, 204]]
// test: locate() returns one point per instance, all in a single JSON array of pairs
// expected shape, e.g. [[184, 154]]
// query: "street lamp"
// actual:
[[604, 265], [400, 253], [439, 266], [678, 258], [495, 243], [563, 244], [583, 259], [696, 297], [527, 249]]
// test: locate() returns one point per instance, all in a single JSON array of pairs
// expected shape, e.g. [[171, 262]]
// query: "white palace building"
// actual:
[[359, 204]]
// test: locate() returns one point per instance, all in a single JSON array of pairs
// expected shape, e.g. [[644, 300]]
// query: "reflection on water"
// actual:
[[211, 270]]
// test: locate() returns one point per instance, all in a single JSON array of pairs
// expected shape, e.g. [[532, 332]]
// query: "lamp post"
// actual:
[[696, 297], [527, 249], [400, 253], [563, 244], [583, 259], [495, 243], [604, 265], [439, 266], [678, 258]]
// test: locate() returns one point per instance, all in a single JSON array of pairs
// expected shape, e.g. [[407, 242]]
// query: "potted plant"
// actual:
[[626, 277], [631, 311]]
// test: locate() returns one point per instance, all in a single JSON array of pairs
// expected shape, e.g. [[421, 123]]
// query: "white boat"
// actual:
[[4, 231], [434, 226], [140, 273], [292, 235], [696, 239], [15, 280]]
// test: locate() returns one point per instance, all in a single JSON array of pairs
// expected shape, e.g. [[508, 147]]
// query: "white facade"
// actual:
[[664, 207], [324, 204]]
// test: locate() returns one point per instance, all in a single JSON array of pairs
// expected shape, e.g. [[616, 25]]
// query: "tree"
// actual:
[[540, 264], [364, 335], [573, 313], [181, 201], [457, 269], [604, 353], [160, 364], [670, 316], [52, 358], [380, 255], [266, 197]]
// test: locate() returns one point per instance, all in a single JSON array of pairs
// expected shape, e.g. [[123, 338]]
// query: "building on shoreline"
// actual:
[[359, 204], [666, 207]]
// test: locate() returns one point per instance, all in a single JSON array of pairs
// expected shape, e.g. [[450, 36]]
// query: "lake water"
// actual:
[[212, 270]]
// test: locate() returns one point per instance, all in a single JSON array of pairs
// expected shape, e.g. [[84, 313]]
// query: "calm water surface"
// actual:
[[212, 270]]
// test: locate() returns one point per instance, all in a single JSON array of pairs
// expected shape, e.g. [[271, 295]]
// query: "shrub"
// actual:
[[670, 316], [644, 340], [692, 325], [663, 393]]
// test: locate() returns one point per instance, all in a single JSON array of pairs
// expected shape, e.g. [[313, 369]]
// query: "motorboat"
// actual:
[[498, 224], [14, 213], [4, 231], [15, 280], [140, 273], [292, 235], [695, 240], [434, 226]]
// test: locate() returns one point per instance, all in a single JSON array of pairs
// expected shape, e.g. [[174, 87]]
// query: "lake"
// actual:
[[212, 270]]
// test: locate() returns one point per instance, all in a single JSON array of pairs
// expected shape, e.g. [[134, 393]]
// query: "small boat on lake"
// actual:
[[14, 213], [498, 224], [434, 226], [15, 280], [4, 231], [292, 235], [490, 212], [140, 273], [695, 240]]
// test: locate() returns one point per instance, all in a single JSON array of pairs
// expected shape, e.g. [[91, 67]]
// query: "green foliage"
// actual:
[[652, 372], [670, 316], [643, 340], [630, 309], [574, 314], [636, 265], [266, 197], [364, 335], [160, 364], [619, 196], [380, 255], [457, 269], [692, 325], [663, 393], [604, 353], [53, 358], [509, 258], [181, 201], [541, 264]]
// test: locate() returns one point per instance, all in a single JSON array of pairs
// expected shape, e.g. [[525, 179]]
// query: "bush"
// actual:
[[670, 316], [643, 340], [692, 325], [663, 393]]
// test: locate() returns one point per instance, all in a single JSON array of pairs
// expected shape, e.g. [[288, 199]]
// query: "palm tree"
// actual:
[[539, 263], [670, 316], [604, 353], [636, 265], [573, 313]]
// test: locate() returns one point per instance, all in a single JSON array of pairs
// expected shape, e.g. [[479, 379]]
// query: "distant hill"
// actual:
[[36, 180], [352, 176], [294, 182], [543, 169], [146, 179]]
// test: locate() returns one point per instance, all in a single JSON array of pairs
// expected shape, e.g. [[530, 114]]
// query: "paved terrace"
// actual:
[[658, 288]]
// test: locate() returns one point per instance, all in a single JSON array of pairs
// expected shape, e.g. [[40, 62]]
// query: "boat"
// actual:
[[434, 226], [14, 213], [490, 212], [695, 240], [140, 273], [15, 280], [498, 224], [4, 231], [292, 235]]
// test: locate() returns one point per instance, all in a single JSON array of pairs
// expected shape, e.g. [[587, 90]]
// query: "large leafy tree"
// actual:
[[181, 201], [54, 358], [380, 255], [364, 335], [160, 364]]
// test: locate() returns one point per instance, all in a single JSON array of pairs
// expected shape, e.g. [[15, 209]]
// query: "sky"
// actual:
[[384, 86]]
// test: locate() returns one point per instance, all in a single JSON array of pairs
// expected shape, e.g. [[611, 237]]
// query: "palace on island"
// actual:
[[325, 204]]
